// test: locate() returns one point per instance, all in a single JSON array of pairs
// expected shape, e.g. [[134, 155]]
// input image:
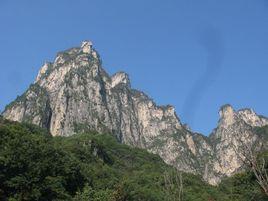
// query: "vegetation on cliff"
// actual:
[[36, 166]]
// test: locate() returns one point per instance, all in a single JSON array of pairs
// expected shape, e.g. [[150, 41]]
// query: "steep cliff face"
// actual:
[[75, 94], [231, 139]]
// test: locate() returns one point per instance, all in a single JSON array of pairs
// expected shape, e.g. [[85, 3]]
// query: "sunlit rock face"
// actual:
[[251, 118], [227, 116], [234, 133], [74, 94], [86, 47]]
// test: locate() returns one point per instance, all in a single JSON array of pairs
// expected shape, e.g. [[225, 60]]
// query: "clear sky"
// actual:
[[195, 55]]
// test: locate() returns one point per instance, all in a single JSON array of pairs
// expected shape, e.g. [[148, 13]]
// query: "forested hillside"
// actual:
[[91, 166]]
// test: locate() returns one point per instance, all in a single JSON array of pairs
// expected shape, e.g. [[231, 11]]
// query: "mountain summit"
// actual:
[[74, 94]]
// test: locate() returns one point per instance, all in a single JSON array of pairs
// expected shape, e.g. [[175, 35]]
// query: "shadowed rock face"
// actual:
[[74, 94]]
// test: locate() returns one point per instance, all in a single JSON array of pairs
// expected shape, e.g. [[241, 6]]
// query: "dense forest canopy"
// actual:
[[91, 166]]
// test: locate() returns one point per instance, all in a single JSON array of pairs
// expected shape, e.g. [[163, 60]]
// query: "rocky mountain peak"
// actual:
[[227, 115], [251, 118], [120, 78], [74, 94], [86, 46]]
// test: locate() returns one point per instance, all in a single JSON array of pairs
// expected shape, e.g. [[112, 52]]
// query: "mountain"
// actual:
[[74, 95]]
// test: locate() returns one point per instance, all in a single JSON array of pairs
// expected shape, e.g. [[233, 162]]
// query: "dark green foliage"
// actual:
[[91, 167], [242, 186], [32, 167]]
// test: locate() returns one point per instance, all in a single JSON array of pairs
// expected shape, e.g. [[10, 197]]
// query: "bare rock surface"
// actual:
[[74, 94]]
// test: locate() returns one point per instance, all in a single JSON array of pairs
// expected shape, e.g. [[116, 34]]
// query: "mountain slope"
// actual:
[[74, 94], [91, 166]]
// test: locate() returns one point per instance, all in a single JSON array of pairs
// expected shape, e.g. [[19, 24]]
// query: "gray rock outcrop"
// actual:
[[74, 94]]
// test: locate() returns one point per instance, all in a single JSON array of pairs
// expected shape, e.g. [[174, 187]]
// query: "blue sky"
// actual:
[[195, 55]]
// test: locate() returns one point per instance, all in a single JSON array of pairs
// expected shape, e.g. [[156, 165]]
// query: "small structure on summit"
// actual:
[[86, 46]]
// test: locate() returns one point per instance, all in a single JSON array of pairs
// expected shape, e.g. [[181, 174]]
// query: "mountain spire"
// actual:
[[74, 94], [86, 46]]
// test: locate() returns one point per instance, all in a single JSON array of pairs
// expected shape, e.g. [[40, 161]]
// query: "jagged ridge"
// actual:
[[74, 94]]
